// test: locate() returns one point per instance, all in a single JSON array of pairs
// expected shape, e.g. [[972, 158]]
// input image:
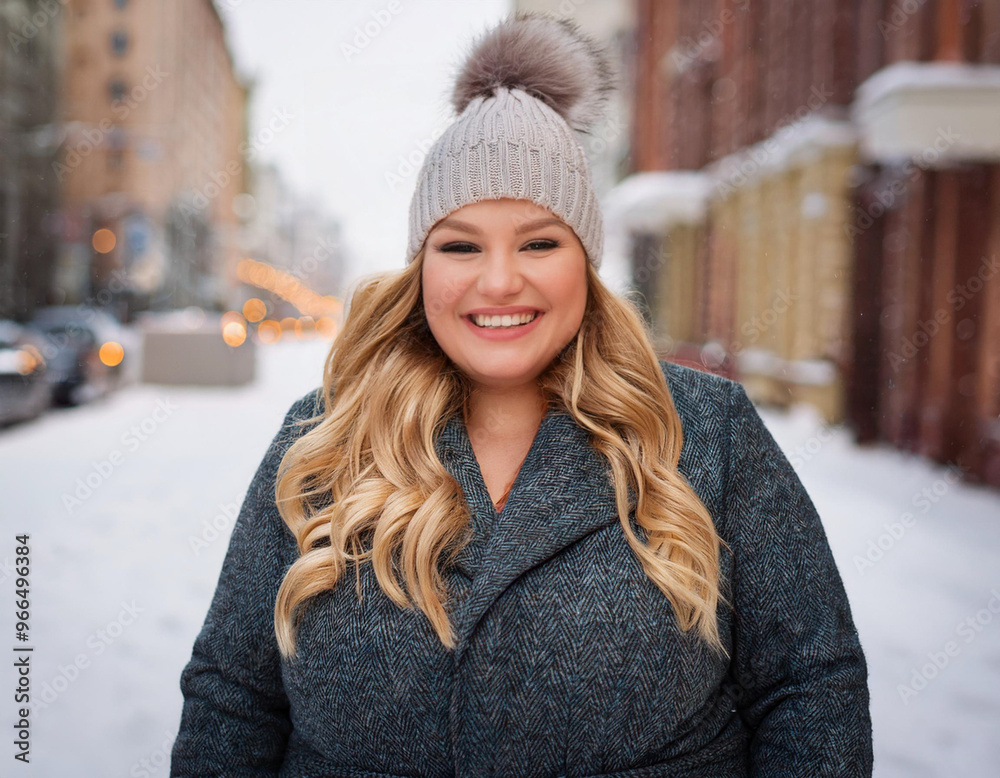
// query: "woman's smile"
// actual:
[[504, 327], [505, 289]]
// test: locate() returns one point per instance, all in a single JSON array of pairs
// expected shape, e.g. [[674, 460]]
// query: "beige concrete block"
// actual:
[[195, 357]]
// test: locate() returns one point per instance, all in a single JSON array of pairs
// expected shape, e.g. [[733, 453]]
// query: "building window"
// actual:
[[117, 139], [117, 89], [119, 43]]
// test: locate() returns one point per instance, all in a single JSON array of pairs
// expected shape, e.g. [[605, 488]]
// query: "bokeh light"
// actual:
[[111, 353], [326, 327], [104, 240], [254, 309], [234, 333], [269, 331], [229, 317]]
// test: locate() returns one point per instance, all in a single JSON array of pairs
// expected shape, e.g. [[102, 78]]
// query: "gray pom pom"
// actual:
[[546, 57]]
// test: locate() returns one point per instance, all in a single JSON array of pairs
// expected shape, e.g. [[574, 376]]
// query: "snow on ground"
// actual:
[[118, 594], [918, 553]]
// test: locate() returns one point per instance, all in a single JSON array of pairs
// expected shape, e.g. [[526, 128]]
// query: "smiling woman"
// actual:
[[570, 557], [503, 258]]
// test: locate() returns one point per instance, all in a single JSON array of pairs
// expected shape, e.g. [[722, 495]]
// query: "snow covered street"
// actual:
[[129, 503]]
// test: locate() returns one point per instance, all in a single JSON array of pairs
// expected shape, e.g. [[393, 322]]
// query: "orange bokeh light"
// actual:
[[111, 353], [234, 333], [254, 309], [229, 317], [326, 327], [103, 241], [269, 331]]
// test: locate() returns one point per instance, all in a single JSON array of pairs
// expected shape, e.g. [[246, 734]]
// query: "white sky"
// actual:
[[354, 116]]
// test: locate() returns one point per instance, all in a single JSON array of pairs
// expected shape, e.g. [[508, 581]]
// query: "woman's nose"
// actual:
[[500, 272]]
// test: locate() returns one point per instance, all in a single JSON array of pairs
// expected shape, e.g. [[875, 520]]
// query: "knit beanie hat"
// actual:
[[526, 88]]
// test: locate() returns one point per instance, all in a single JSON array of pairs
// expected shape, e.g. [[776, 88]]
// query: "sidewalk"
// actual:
[[920, 557], [126, 551]]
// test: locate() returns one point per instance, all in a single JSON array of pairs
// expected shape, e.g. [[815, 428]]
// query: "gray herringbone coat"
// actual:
[[569, 659]]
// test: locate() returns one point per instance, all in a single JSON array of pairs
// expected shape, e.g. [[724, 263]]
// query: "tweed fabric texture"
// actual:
[[569, 660], [507, 145]]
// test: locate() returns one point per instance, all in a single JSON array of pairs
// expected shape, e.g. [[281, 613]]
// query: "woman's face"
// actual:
[[502, 257]]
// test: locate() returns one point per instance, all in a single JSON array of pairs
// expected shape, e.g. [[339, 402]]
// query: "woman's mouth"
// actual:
[[502, 322], [504, 327]]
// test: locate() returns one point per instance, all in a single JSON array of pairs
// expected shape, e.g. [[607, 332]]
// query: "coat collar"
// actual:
[[562, 492]]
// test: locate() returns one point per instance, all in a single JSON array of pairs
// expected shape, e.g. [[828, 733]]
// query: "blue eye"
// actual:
[[544, 245]]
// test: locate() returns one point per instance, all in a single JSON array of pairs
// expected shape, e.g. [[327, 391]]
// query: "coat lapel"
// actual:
[[562, 492]]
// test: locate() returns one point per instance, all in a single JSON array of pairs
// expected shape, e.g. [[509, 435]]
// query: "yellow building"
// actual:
[[779, 213], [155, 151]]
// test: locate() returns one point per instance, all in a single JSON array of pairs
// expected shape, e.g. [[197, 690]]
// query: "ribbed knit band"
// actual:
[[508, 145]]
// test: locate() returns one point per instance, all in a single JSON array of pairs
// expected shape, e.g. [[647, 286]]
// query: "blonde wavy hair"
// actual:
[[363, 484]]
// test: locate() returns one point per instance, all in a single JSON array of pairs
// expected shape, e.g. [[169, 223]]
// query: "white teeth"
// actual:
[[503, 321]]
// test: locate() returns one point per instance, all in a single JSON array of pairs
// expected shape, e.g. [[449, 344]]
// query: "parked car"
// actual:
[[24, 388], [84, 351]]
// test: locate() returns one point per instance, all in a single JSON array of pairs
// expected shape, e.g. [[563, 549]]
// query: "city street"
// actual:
[[196, 196], [129, 504]]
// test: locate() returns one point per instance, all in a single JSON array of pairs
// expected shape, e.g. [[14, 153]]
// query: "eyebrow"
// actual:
[[458, 224]]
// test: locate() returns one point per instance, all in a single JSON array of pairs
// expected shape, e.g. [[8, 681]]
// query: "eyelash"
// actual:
[[453, 247]]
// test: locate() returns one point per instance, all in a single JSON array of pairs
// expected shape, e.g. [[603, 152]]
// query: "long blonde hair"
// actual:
[[363, 484]]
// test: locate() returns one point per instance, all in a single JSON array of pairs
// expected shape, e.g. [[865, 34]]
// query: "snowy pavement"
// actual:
[[114, 493], [920, 557]]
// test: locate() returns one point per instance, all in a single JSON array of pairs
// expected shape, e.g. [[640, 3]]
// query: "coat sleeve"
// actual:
[[235, 718], [801, 674]]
